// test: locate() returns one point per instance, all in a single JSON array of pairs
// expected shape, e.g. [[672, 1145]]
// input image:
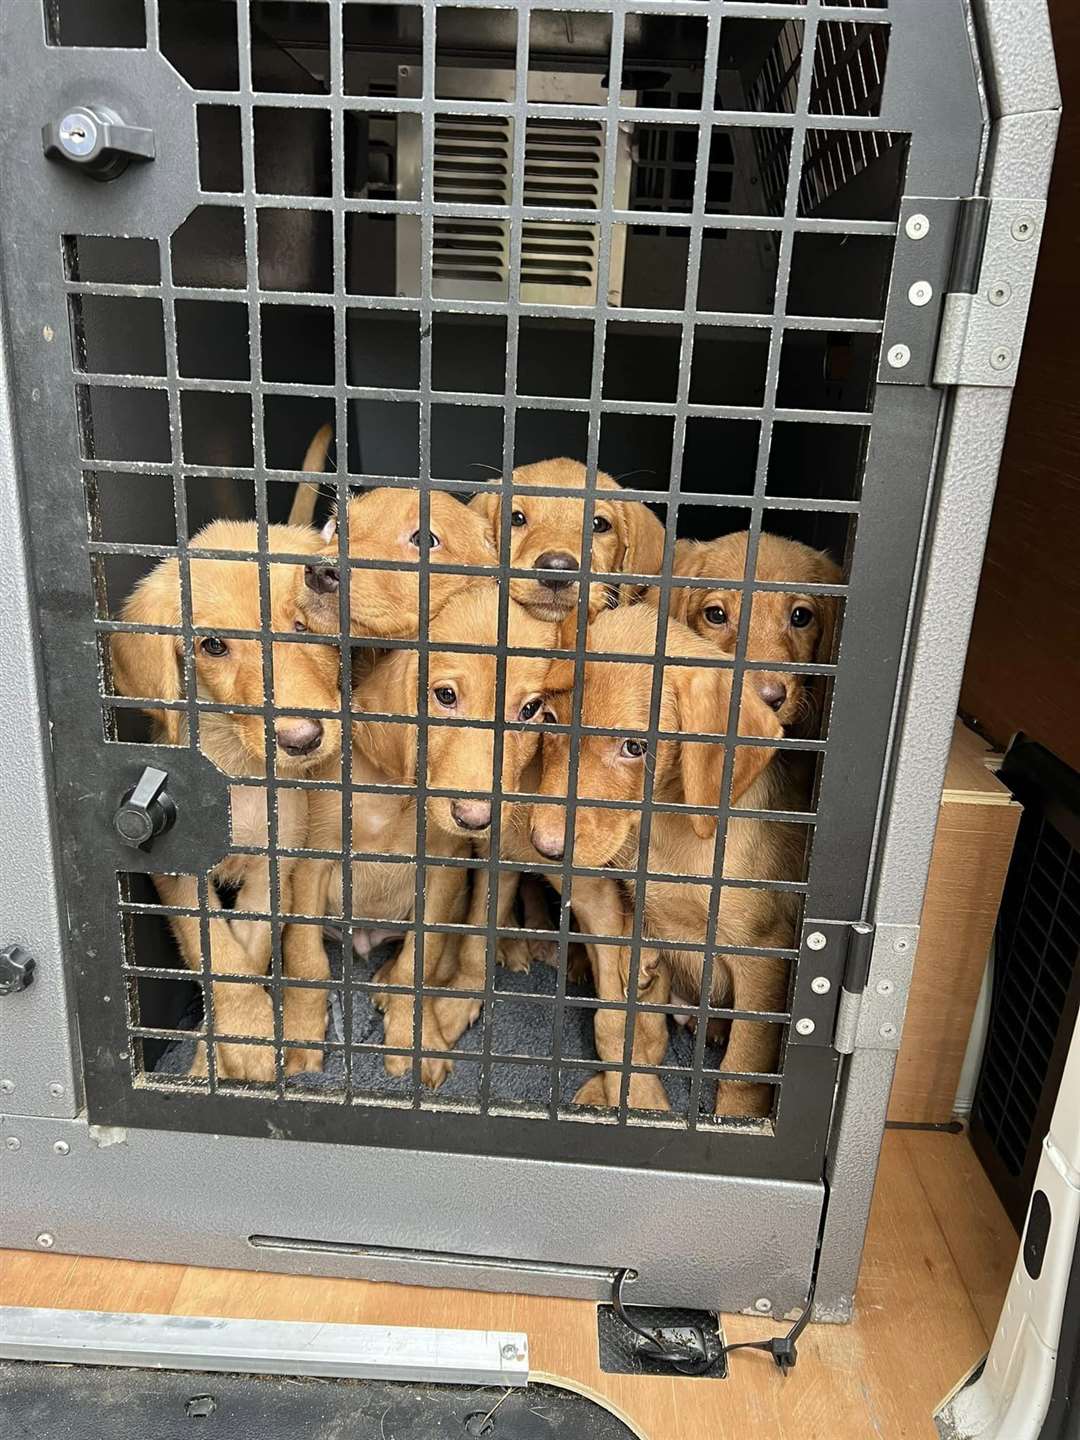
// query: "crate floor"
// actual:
[[520, 1027], [938, 1257]]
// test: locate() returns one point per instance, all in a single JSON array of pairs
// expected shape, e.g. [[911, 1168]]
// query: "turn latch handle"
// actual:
[[97, 141]]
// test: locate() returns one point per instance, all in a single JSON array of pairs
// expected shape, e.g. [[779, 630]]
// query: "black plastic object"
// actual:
[[1037, 1234], [96, 141], [146, 811], [1035, 998], [16, 969], [79, 1402]]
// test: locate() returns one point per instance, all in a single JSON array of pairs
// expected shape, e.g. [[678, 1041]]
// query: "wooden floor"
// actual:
[[938, 1258]]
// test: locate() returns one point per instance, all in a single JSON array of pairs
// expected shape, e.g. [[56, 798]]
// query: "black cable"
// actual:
[[666, 1346]]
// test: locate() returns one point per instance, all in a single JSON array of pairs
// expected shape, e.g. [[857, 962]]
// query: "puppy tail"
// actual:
[[303, 506]]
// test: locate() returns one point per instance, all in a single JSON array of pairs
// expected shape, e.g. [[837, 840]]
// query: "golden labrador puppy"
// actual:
[[546, 536], [461, 763], [384, 526], [225, 596], [785, 627], [617, 695]]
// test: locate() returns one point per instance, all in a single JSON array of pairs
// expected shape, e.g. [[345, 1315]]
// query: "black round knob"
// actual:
[[145, 811], [96, 140]]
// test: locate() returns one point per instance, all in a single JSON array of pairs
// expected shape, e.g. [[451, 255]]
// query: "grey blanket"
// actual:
[[520, 1026]]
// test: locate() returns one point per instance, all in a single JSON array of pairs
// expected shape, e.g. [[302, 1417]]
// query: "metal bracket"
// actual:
[[922, 261], [985, 313], [832, 953]]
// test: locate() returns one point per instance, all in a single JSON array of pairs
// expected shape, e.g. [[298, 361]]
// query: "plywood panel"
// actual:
[[1021, 669], [933, 1269]]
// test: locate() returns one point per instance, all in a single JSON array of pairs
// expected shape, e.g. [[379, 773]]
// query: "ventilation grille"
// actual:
[[1036, 993], [564, 166], [1037, 961]]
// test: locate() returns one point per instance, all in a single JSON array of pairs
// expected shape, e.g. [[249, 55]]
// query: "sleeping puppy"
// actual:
[[784, 626], [229, 671], [546, 537], [384, 525], [616, 696]]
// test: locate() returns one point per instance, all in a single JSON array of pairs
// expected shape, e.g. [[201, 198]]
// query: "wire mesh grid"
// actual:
[[266, 247]]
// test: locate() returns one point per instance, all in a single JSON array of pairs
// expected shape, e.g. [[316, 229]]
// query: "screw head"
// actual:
[[887, 1031], [816, 940], [61, 1147], [1023, 228], [805, 1026], [12, 1143], [56, 1090], [917, 227], [46, 1241], [821, 984], [901, 945], [509, 1351], [1001, 358], [921, 293], [898, 356], [7, 1086], [885, 987], [764, 1305], [1000, 293]]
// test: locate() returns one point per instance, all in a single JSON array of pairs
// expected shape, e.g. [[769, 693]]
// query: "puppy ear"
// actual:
[[703, 699], [681, 595], [389, 688], [149, 665], [488, 503], [642, 537]]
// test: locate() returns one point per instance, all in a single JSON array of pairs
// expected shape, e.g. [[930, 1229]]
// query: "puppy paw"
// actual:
[[246, 1062], [592, 1093], [515, 955], [742, 1101], [299, 1062]]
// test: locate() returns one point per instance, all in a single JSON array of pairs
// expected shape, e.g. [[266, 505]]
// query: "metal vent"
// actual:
[[564, 167], [1036, 992]]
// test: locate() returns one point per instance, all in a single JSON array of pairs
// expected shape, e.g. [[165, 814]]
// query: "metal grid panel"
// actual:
[[787, 218]]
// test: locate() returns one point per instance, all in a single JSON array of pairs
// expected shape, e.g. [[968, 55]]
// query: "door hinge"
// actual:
[[834, 960], [985, 312], [961, 281]]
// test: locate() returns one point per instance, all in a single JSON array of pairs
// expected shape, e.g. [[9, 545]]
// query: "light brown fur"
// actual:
[[633, 542], [385, 603], [225, 595], [617, 695], [461, 761], [772, 636]]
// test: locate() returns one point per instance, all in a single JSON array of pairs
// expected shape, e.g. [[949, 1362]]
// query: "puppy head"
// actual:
[[545, 535], [617, 695], [462, 686], [384, 525], [785, 627], [229, 671]]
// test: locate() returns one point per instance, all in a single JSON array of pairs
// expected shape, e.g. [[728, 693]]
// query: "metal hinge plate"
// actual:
[[834, 957], [983, 323]]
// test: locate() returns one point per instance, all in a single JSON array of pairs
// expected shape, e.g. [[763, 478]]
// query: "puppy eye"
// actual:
[[446, 695], [601, 524], [214, 646], [633, 749], [300, 626], [802, 616], [717, 615], [517, 518], [433, 539], [529, 709]]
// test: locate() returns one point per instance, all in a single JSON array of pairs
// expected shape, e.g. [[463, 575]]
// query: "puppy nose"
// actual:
[[556, 561], [297, 736], [323, 579], [548, 844], [471, 814], [774, 693]]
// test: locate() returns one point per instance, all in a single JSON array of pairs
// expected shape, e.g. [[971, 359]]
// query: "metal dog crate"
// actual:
[[767, 262]]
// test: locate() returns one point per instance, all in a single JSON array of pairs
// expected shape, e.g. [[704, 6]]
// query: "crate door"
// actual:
[[656, 240]]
